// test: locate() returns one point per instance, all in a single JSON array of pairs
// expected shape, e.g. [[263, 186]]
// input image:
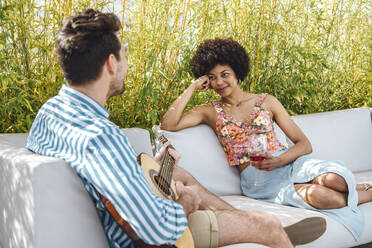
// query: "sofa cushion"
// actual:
[[140, 140], [203, 156], [344, 135], [336, 234], [42, 201], [17, 139], [138, 137], [366, 177]]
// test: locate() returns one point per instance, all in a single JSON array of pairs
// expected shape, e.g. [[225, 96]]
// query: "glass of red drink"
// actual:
[[257, 150]]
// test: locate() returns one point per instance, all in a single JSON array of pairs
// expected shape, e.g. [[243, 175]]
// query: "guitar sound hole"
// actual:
[[163, 185]]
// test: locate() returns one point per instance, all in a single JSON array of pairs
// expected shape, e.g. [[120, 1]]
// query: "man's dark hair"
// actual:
[[84, 43], [223, 52]]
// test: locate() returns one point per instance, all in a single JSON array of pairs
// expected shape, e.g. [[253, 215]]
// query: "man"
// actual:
[[73, 126]]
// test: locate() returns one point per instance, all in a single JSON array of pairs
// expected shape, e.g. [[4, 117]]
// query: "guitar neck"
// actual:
[[167, 166]]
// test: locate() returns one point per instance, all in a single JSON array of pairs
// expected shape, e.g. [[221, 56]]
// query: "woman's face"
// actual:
[[222, 79]]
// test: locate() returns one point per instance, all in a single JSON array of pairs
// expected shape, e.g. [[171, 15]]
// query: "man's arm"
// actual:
[[110, 165], [188, 196]]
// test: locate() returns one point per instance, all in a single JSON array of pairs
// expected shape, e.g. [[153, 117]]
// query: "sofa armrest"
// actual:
[[42, 201]]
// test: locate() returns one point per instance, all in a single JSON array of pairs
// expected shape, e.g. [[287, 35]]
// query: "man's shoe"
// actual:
[[306, 230]]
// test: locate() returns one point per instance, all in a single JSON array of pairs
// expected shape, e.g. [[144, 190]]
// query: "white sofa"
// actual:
[[44, 204]]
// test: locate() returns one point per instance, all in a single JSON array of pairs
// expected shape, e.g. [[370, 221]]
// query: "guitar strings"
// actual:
[[166, 169], [161, 172], [170, 166]]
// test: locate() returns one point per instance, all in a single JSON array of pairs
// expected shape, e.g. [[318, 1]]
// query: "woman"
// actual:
[[243, 123]]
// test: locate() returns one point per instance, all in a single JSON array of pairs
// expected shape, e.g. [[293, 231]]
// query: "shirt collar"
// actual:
[[81, 97]]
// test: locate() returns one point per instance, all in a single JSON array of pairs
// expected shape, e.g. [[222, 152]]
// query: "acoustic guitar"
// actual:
[[160, 179]]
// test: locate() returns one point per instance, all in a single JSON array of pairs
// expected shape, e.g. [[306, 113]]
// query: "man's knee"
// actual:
[[266, 221]]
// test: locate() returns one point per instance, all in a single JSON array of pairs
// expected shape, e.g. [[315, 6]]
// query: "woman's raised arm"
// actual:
[[175, 120]]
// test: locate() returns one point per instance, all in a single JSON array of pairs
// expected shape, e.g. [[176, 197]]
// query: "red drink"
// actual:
[[256, 158]]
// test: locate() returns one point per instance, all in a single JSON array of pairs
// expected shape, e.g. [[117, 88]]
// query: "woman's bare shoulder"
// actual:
[[204, 107], [271, 101], [209, 112]]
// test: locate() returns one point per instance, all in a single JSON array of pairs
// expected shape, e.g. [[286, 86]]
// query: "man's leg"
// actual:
[[235, 226], [225, 227], [249, 226]]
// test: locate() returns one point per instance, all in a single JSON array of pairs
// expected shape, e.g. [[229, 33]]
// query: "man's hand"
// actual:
[[160, 154], [188, 197]]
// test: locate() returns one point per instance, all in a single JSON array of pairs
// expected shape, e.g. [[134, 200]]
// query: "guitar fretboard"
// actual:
[[166, 167]]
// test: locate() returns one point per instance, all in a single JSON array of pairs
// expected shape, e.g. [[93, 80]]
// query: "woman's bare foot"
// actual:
[[364, 192], [363, 187]]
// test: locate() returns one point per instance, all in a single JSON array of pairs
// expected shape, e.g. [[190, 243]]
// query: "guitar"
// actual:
[[160, 180]]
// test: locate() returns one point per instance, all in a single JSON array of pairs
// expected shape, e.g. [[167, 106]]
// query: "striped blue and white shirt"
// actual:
[[74, 127]]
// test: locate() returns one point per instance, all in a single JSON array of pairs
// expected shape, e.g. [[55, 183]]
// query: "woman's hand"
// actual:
[[174, 119], [269, 163], [202, 83]]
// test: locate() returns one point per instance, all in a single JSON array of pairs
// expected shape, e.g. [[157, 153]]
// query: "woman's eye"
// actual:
[[225, 74], [211, 78]]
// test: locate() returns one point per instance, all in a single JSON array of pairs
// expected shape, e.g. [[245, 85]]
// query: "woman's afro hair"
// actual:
[[223, 52]]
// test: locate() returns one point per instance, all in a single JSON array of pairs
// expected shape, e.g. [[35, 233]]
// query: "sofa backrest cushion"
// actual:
[[344, 135], [43, 202], [140, 140], [203, 156], [138, 137]]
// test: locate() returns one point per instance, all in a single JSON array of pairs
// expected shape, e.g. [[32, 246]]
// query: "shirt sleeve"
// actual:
[[110, 165]]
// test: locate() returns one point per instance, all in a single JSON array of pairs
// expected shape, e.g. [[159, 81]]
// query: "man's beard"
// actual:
[[116, 88]]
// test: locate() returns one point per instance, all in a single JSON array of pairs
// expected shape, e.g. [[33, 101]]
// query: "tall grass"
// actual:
[[313, 55]]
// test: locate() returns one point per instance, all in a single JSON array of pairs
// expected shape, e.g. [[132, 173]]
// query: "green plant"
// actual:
[[314, 56]]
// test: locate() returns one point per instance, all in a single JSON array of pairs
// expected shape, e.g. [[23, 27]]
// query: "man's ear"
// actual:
[[111, 63]]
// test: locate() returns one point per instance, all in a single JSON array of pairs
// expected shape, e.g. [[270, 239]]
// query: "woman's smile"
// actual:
[[222, 89]]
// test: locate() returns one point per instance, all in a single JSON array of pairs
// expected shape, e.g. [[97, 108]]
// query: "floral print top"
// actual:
[[241, 140]]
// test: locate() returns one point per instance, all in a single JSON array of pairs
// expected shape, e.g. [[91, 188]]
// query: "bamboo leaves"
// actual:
[[313, 55]]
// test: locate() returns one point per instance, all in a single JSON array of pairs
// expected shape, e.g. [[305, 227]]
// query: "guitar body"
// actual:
[[150, 169]]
